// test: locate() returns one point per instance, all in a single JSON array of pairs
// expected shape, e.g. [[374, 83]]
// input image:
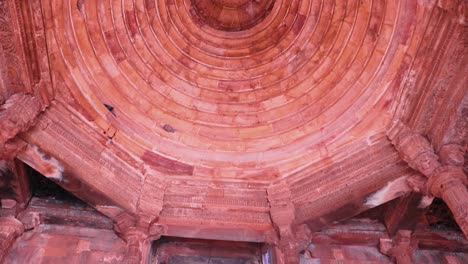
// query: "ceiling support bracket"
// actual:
[[445, 177]]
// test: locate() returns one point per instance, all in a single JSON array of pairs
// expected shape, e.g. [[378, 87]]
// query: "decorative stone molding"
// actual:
[[445, 178], [10, 229]]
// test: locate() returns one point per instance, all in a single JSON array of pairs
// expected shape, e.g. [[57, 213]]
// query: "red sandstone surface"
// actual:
[[258, 123]]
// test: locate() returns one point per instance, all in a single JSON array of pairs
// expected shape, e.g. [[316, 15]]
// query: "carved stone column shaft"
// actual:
[[138, 247]]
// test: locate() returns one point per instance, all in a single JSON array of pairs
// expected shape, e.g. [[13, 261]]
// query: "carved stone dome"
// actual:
[[245, 120]]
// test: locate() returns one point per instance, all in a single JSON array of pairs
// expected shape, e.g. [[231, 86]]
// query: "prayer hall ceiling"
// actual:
[[257, 104], [236, 119]]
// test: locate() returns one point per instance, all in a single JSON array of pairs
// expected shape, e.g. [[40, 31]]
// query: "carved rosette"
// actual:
[[10, 229]]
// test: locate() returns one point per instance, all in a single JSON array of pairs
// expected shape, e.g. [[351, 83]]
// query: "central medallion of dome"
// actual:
[[233, 3], [232, 15]]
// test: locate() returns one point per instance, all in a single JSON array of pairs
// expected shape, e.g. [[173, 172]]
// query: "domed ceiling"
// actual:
[[217, 113], [257, 97]]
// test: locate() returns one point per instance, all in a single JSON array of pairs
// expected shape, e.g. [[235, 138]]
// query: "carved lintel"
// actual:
[[10, 229], [401, 247]]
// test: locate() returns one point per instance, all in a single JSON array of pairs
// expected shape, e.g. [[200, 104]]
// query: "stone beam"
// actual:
[[364, 179], [212, 209], [53, 169], [84, 161], [445, 177]]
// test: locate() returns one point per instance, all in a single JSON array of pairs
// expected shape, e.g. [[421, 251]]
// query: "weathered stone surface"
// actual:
[[240, 120]]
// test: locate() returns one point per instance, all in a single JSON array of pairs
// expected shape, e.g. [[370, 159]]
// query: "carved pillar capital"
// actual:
[[446, 180], [124, 222], [17, 114], [287, 249], [291, 239], [287, 252], [138, 246], [414, 149], [10, 229], [137, 236]]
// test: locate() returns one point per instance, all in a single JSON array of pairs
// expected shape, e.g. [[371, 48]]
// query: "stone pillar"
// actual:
[[448, 183], [282, 213], [286, 252], [445, 178], [10, 229], [401, 247], [138, 246], [138, 237]]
